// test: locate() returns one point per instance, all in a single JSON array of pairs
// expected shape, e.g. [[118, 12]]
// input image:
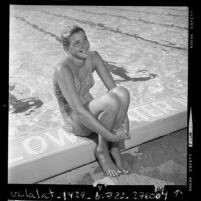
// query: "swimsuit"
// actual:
[[82, 89]]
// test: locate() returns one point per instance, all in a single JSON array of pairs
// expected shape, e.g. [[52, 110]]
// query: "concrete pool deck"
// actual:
[[158, 162], [149, 58]]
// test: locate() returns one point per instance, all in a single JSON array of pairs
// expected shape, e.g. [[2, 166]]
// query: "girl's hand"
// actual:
[[119, 135], [122, 135]]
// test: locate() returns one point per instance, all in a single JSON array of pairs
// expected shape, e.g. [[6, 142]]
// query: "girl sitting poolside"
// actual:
[[105, 115]]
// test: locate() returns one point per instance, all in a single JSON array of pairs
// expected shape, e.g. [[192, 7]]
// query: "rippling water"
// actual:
[[145, 49]]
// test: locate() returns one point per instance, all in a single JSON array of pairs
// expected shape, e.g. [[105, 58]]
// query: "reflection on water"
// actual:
[[140, 75], [27, 105], [142, 59], [20, 106]]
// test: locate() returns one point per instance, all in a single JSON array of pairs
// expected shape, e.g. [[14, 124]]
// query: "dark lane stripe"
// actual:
[[131, 19], [99, 25]]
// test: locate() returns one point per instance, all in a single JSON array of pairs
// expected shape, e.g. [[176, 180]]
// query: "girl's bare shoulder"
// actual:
[[61, 69], [94, 54], [95, 58]]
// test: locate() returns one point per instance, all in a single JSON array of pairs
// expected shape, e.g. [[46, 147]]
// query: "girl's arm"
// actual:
[[102, 71], [65, 80], [107, 79]]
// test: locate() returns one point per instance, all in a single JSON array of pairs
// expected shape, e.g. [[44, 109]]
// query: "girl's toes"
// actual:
[[125, 171], [115, 173], [110, 173]]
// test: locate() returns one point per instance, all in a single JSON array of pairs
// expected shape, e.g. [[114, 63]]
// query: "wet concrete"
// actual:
[[159, 162]]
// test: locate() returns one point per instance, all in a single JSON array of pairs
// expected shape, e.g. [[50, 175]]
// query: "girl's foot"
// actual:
[[115, 153], [106, 163]]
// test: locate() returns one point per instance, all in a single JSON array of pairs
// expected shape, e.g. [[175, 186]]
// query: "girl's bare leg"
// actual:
[[105, 109], [124, 98], [107, 118]]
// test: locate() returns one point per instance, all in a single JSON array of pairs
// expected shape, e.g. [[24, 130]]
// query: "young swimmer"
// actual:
[[105, 115]]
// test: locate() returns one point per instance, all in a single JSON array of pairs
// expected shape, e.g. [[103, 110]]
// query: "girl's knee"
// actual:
[[123, 93], [113, 102]]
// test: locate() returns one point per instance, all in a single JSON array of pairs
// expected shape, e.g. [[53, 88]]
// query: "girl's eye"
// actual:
[[86, 39], [77, 44]]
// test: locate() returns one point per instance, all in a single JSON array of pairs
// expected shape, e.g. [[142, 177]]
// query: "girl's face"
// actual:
[[79, 45]]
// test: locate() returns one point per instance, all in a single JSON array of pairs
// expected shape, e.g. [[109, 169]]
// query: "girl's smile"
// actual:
[[79, 45]]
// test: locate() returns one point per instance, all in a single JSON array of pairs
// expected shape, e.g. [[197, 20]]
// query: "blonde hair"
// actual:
[[67, 33]]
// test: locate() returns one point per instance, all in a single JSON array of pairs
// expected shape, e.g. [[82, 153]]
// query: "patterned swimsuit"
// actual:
[[82, 89]]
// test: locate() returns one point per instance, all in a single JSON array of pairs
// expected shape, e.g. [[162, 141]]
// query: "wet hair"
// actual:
[[69, 32]]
